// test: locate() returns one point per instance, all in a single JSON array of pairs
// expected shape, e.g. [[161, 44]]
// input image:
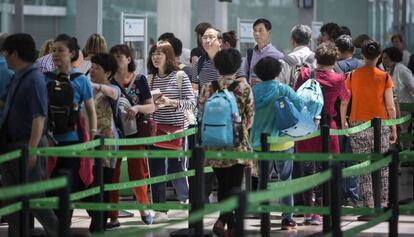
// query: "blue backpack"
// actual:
[[311, 94], [221, 122], [286, 113]]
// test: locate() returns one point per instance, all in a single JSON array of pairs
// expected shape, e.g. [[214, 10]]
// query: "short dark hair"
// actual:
[[326, 53], [71, 43], [267, 68], [344, 30], [360, 39], [397, 36], [371, 49], [230, 37], [23, 44], [394, 54], [177, 46], [199, 30], [227, 61], [125, 50], [106, 61], [301, 34], [265, 22], [332, 29], [166, 36], [345, 44]]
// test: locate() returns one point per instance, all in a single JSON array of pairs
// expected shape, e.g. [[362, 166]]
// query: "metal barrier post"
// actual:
[[335, 200], [393, 194], [64, 206], [326, 221], [376, 175], [24, 172], [263, 179], [197, 187], [99, 176], [240, 213]]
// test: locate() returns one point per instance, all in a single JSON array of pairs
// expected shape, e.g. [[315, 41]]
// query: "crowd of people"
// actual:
[[66, 95]]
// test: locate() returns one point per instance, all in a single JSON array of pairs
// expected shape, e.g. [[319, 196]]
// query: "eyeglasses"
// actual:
[[157, 55], [212, 38]]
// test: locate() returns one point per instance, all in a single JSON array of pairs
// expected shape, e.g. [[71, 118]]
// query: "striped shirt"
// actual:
[[169, 88], [207, 74]]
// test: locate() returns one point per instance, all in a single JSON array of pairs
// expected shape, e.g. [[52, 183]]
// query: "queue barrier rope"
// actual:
[[32, 188], [10, 156], [352, 232], [9, 209]]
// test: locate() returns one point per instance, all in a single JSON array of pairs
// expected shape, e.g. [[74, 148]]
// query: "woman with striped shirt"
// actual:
[[177, 97]]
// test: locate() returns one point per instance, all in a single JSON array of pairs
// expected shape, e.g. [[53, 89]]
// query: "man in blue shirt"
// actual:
[[23, 121]]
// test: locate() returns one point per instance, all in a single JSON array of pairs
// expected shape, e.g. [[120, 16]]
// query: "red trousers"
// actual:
[[137, 170]]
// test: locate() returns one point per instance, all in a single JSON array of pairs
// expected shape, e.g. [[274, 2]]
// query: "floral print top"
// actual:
[[244, 97]]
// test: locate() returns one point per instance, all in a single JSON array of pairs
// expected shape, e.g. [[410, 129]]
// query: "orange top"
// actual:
[[367, 87]]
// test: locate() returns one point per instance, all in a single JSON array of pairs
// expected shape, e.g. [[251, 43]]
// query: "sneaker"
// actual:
[[307, 219], [316, 220], [160, 217], [112, 225], [288, 224], [147, 219]]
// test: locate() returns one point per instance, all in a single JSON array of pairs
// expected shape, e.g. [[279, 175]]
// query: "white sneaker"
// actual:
[[160, 217]]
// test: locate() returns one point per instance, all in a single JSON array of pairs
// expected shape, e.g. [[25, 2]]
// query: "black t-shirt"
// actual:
[[199, 51], [139, 91]]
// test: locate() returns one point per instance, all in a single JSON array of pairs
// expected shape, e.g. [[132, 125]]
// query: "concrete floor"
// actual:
[[80, 224]]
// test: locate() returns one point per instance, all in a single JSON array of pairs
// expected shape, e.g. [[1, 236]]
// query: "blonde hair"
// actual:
[[95, 44], [46, 48]]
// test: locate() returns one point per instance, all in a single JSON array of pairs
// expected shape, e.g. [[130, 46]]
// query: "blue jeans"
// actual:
[[158, 167], [350, 186], [284, 171]]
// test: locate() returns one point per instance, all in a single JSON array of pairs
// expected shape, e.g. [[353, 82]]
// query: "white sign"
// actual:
[[134, 27]]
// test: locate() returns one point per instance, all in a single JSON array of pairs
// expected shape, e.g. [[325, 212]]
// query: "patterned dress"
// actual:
[[244, 97]]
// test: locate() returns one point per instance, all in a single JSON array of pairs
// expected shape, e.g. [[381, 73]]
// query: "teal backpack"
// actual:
[[221, 122]]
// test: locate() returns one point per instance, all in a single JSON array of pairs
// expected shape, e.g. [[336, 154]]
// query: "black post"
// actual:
[[24, 172], [198, 204], [376, 175], [263, 179], [393, 194], [240, 213], [64, 206], [326, 221], [99, 176], [335, 200], [248, 178]]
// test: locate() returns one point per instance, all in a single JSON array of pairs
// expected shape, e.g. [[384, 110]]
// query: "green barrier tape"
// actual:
[[10, 156], [140, 154], [76, 147], [407, 209], [405, 137], [401, 120], [15, 207], [288, 209], [365, 168], [43, 204], [294, 187], [153, 180], [149, 140], [272, 140], [406, 156], [295, 157], [85, 193], [32, 188], [407, 107], [374, 222], [356, 129]]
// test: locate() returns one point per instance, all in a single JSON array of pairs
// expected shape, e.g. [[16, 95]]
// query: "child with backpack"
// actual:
[[229, 173], [67, 91], [333, 88], [266, 94]]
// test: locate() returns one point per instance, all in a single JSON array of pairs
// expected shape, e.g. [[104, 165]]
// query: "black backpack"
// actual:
[[63, 113]]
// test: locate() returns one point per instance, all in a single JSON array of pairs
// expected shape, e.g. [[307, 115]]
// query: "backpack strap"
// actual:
[[312, 73], [249, 62], [233, 85], [181, 66], [75, 75]]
